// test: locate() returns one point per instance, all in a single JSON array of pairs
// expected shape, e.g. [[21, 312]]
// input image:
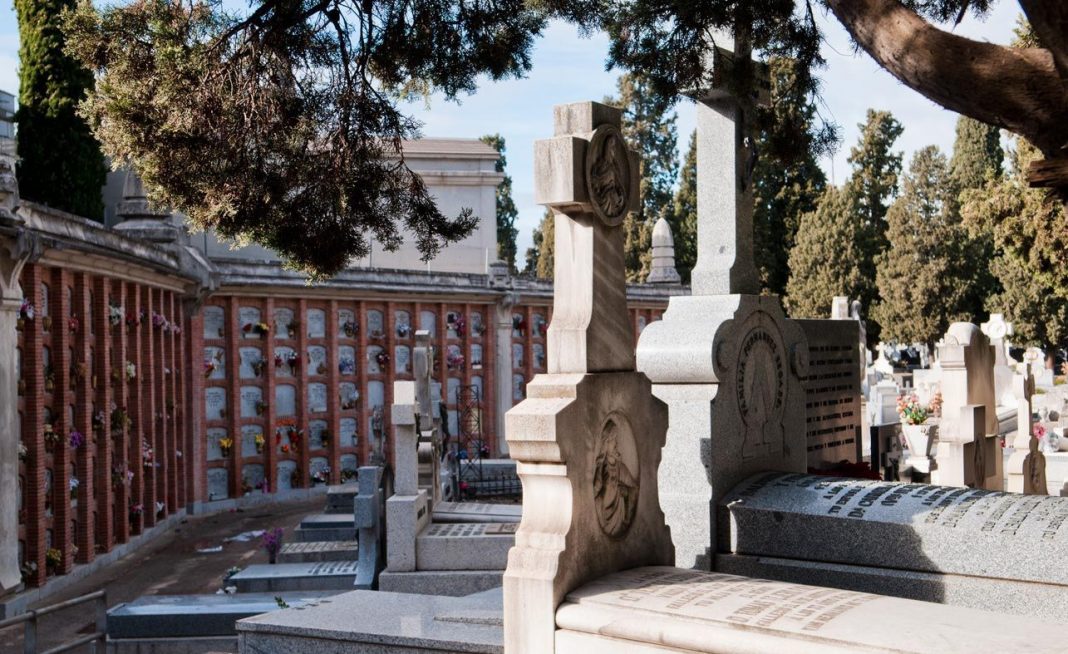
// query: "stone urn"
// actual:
[[920, 440]]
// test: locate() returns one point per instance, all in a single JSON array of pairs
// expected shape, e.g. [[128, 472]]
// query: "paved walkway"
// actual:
[[170, 565]]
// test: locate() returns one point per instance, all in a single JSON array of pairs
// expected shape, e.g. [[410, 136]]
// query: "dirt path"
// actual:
[[170, 565]]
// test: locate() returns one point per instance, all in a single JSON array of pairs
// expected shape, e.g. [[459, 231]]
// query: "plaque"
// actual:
[[285, 474], [252, 405], [283, 318], [249, 445], [214, 363], [347, 395], [374, 360], [215, 403], [317, 398], [214, 322], [252, 479], [316, 429], [375, 324], [376, 393], [218, 484], [403, 324], [518, 388], [402, 360], [286, 361], [249, 318], [427, 320], [317, 360], [346, 363], [517, 355], [251, 362], [346, 324], [214, 436], [285, 400], [316, 323], [348, 432]]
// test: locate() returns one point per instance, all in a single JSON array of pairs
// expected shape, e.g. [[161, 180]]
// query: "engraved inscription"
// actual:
[[616, 477]]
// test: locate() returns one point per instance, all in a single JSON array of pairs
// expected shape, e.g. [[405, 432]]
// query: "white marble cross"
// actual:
[[725, 159], [589, 178]]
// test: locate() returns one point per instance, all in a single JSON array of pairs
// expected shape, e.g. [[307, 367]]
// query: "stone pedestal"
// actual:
[[704, 349]]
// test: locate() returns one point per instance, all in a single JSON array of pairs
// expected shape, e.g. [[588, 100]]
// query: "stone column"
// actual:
[[16, 247]]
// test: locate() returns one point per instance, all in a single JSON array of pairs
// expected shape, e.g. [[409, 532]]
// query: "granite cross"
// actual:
[[725, 157]]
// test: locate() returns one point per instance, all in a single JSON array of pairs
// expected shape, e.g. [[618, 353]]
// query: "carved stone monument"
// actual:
[[587, 439]]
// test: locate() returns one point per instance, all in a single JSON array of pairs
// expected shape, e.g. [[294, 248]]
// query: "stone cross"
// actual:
[[367, 512], [408, 510], [587, 173], [1026, 466], [725, 159], [587, 439]]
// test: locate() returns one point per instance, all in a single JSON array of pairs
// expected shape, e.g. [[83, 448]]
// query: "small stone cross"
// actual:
[[1023, 387], [589, 178]]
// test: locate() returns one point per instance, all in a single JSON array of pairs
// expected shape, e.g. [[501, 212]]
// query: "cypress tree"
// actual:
[[546, 245], [60, 163], [923, 277], [977, 153], [828, 258], [506, 210], [875, 171]]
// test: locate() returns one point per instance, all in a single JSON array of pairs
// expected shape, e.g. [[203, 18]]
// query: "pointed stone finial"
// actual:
[[663, 268], [135, 204]]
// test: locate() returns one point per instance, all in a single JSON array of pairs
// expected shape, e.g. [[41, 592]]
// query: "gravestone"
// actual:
[[1024, 473], [285, 400], [214, 322], [218, 484], [997, 329], [368, 512], [249, 357], [587, 439], [316, 323], [317, 398], [215, 403], [248, 317], [408, 509], [316, 551], [251, 397], [725, 359], [936, 543]]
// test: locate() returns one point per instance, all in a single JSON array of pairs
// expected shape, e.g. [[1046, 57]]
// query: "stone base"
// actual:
[[452, 583], [376, 622], [477, 512], [315, 551], [959, 590], [464, 546], [339, 499]]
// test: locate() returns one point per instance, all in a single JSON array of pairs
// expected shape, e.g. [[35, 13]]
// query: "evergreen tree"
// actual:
[[60, 163], [923, 276], [828, 258], [976, 153], [506, 210], [977, 158], [875, 171], [649, 128], [1030, 231], [683, 214], [546, 245], [787, 179]]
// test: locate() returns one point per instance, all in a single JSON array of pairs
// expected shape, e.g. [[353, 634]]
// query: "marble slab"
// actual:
[[325, 575], [661, 609], [477, 512], [313, 551], [163, 616], [903, 526], [374, 621], [465, 546]]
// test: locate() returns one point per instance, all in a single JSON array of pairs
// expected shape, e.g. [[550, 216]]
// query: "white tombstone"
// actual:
[[883, 403], [997, 329], [967, 362]]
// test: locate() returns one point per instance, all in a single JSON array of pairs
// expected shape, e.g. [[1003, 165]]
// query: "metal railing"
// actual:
[[30, 618]]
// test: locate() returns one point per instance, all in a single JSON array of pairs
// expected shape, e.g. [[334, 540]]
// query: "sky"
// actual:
[[571, 68]]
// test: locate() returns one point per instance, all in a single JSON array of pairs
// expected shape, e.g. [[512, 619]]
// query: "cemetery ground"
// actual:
[[170, 565]]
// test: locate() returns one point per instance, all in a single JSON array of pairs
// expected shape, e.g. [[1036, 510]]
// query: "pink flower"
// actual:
[[1038, 431]]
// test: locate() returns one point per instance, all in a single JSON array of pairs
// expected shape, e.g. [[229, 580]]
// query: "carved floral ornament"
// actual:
[[608, 175]]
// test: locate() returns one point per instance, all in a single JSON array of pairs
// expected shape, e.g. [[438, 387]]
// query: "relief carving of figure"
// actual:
[[1035, 471], [615, 486], [609, 174]]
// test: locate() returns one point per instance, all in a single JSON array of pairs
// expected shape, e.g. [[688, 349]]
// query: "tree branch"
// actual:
[[1049, 20], [1017, 89]]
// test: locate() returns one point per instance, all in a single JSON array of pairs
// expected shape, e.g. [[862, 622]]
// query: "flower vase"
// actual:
[[272, 557], [921, 440]]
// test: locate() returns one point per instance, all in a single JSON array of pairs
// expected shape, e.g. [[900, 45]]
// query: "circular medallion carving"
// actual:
[[608, 175], [760, 382], [616, 476]]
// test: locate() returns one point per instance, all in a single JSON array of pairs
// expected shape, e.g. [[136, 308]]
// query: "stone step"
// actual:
[[302, 535], [314, 551], [477, 512], [339, 498], [453, 583], [470, 546], [324, 575]]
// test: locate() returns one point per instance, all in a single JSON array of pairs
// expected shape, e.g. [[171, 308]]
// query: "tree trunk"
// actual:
[[1023, 90]]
